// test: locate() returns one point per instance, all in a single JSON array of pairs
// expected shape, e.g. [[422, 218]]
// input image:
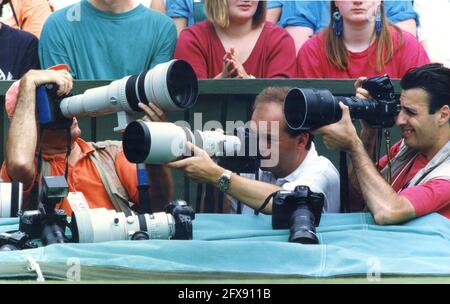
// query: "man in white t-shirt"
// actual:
[[293, 161]]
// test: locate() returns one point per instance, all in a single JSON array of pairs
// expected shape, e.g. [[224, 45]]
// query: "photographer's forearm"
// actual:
[[252, 193], [22, 135], [161, 186]]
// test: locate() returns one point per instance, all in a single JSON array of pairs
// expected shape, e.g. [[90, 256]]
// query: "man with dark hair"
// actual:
[[293, 161], [420, 162]]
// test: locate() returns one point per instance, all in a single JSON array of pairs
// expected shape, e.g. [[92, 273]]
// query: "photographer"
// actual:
[[99, 170], [420, 161], [297, 161]]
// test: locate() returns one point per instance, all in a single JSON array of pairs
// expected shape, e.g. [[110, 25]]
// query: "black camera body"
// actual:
[[15, 240], [48, 107], [300, 211], [247, 160], [47, 223], [307, 109], [183, 215]]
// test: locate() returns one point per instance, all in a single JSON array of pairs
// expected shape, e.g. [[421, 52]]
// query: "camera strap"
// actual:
[[343, 172], [261, 208]]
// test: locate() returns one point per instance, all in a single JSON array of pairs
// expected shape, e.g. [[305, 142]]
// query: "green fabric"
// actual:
[[351, 245], [100, 45]]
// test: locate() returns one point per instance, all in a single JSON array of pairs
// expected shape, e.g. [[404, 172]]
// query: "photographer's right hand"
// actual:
[[61, 78]]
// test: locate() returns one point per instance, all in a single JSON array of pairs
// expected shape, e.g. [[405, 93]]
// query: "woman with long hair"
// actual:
[[237, 42], [359, 41]]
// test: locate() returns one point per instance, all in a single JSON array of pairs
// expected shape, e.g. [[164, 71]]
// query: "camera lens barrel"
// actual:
[[307, 109], [302, 227], [10, 199], [155, 142]]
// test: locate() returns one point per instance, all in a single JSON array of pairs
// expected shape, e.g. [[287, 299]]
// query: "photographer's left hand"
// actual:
[[152, 112], [340, 135], [200, 167]]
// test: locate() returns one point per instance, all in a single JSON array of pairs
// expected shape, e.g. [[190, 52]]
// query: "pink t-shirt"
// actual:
[[312, 61], [432, 196], [273, 55]]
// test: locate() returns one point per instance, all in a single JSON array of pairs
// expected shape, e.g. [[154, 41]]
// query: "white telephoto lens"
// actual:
[[160, 225], [10, 199], [98, 101]]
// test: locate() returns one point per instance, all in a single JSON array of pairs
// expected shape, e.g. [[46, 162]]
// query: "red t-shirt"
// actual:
[[83, 177], [273, 55], [312, 61], [432, 196]]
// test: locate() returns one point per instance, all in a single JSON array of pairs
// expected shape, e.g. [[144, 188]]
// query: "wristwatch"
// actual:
[[223, 183]]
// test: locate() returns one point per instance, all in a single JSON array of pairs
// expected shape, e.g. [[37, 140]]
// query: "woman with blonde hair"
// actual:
[[237, 42], [359, 41]]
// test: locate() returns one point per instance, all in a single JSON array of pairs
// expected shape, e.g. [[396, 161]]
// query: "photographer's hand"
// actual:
[[200, 167], [152, 112], [340, 135], [61, 78]]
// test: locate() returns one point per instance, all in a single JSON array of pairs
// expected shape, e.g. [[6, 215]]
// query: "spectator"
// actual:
[[186, 13], [302, 19], [293, 161], [236, 42], [99, 170], [18, 52], [420, 162], [107, 39], [27, 15], [359, 42], [434, 25]]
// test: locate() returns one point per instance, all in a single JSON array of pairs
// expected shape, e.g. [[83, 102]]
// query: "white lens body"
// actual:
[[102, 225], [216, 143], [168, 142], [156, 88], [6, 200], [98, 101]]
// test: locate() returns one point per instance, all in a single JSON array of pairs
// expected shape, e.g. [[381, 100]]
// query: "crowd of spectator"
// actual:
[[225, 38]]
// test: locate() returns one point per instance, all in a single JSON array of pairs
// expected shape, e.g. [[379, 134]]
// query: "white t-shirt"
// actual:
[[316, 172], [434, 25]]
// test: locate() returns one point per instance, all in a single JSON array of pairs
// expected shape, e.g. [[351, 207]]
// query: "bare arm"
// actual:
[[409, 26], [273, 14], [158, 5], [385, 204], [22, 135], [180, 23], [200, 168], [300, 34]]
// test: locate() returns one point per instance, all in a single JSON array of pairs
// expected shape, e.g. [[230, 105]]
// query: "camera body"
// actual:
[[183, 215], [16, 240], [307, 109], [386, 107], [47, 223], [48, 108], [300, 211]]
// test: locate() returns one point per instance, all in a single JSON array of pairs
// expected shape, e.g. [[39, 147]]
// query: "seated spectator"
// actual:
[[359, 41], [433, 29], [99, 170], [293, 161], [107, 39], [420, 162], [186, 12], [18, 52], [26, 15], [236, 42], [302, 19]]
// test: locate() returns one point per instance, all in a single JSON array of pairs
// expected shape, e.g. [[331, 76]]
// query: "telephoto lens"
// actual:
[[310, 108], [101, 225], [172, 86], [10, 199]]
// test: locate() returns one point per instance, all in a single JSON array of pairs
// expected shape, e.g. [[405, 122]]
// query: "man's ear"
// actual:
[[444, 115], [303, 139]]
